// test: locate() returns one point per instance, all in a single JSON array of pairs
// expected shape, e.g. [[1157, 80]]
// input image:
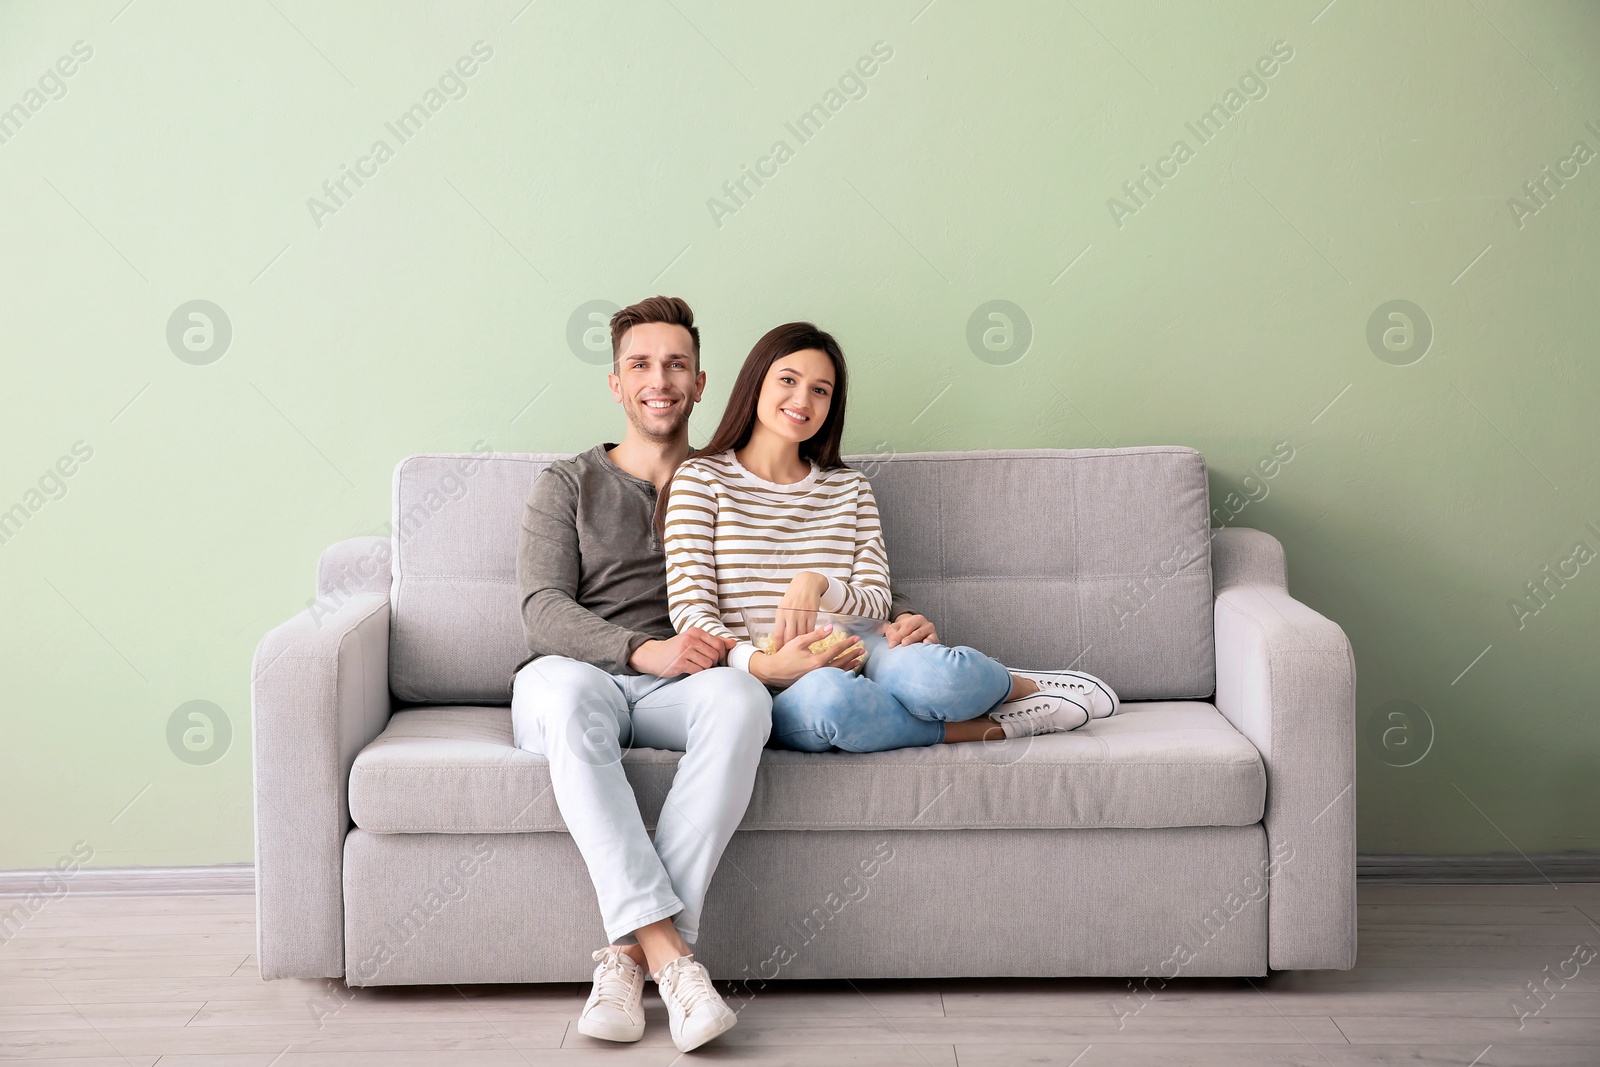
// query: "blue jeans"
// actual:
[[902, 698]]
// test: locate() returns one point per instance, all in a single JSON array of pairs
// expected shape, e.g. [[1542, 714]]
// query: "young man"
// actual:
[[608, 671]]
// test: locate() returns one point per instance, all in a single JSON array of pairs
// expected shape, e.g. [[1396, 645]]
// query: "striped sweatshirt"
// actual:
[[735, 540]]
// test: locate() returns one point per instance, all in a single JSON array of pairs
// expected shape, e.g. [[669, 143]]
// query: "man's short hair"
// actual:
[[671, 310]]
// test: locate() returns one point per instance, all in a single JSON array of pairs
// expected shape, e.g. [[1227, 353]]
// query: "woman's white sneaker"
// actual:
[[1041, 713], [615, 1008], [695, 1011], [1093, 693]]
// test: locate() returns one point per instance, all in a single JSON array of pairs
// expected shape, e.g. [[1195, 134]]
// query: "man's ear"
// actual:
[[699, 385], [616, 386]]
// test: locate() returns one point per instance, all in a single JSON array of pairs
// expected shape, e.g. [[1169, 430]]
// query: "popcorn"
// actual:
[[768, 643]]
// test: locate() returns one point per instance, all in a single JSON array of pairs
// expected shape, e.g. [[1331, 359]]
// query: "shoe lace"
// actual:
[[690, 984], [1027, 713], [613, 985]]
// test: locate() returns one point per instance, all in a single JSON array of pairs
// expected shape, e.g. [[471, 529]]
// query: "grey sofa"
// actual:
[[1206, 829]]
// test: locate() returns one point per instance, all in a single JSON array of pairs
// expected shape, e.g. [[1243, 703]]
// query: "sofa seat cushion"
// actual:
[[454, 769]]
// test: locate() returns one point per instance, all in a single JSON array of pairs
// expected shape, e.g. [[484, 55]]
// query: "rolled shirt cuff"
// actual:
[[739, 655]]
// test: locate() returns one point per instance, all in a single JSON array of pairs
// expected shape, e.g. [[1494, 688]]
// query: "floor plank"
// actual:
[[1433, 1030], [1508, 979], [1370, 915], [110, 924], [622, 1056], [1442, 976], [1528, 958], [20, 949], [205, 988], [1183, 1055], [1180, 1002], [1391, 934], [823, 1030], [337, 1036], [1563, 893], [29, 991], [120, 965], [98, 1016]]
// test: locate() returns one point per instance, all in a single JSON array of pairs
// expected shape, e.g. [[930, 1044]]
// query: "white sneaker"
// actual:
[[1041, 713], [1086, 689], [695, 1012], [615, 1008]]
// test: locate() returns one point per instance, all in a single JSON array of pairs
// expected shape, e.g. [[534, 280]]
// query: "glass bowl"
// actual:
[[761, 622]]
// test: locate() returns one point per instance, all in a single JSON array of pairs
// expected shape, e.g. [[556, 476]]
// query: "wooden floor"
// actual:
[[119, 981]]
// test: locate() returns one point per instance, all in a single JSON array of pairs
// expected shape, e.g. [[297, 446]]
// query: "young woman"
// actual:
[[767, 516]]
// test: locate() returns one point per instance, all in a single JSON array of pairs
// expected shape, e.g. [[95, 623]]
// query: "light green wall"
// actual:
[[1226, 313]]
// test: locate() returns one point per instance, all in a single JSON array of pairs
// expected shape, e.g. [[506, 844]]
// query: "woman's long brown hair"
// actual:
[[739, 417]]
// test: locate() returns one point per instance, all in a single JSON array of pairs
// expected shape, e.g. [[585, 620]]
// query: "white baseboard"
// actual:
[[132, 881], [1499, 868]]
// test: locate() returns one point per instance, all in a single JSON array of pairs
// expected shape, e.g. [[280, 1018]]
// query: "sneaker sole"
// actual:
[[690, 1047], [610, 1031]]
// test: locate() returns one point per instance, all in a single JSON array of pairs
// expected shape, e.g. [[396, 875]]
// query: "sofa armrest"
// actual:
[[319, 692], [355, 565], [1241, 556], [1286, 680]]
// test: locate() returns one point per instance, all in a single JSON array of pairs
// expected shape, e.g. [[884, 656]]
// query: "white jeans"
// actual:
[[580, 718]]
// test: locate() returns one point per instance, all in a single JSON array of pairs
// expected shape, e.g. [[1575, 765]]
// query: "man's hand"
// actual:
[[909, 629], [689, 653]]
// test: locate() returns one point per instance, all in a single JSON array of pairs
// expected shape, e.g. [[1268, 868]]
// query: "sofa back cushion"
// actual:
[[1098, 559]]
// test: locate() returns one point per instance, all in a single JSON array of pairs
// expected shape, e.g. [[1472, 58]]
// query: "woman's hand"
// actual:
[[797, 611], [909, 629], [795, 659]]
